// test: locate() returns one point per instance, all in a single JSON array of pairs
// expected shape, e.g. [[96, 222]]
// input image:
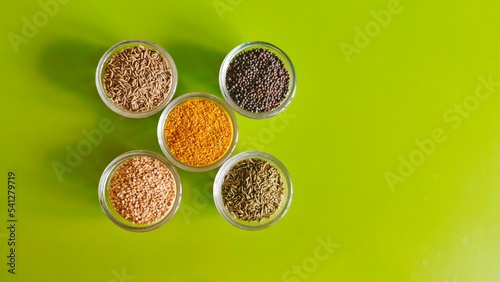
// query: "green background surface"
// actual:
[[355, 121]]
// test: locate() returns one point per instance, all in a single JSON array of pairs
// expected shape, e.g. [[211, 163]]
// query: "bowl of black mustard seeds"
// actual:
[[257, 79]]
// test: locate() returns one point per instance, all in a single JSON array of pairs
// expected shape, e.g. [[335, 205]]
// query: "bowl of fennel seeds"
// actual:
[[136, 78], [252, 190]]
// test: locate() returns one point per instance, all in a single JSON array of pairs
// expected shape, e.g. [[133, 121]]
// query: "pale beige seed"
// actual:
[[142, 190]]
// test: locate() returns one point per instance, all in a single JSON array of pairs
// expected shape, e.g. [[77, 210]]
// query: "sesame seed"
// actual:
[[257, 80], [142, 190]]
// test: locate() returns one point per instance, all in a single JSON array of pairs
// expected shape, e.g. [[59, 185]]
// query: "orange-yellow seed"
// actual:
[[198, 132]]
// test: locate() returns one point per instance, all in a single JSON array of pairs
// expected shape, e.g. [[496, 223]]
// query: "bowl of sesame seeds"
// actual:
[[197, 131], [140, 191], [252, 190], [257, 79], [136, 78]]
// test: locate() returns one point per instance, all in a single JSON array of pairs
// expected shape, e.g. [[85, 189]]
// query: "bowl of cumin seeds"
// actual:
[[252, 190], [257, 79], [136, 78]]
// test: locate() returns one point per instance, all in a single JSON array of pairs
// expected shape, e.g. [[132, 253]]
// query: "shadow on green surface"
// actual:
[[71, 65], [198, 54], [198, 68], [197, 193]]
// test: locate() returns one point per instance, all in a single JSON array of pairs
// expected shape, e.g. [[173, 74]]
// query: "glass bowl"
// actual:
[[281, 55], [128, 44], [253, 225], [161, 131], [105, 199]]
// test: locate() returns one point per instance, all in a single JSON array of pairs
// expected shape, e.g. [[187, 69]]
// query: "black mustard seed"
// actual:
[[257, 80]]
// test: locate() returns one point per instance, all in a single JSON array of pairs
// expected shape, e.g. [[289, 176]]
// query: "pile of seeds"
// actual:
[[137, 79], [253, 190], [257, 80], [142, 190], [198, 132]]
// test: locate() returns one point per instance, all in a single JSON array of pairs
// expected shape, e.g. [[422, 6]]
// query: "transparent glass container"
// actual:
[[128, 44], [252, 225]]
